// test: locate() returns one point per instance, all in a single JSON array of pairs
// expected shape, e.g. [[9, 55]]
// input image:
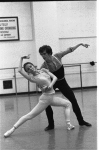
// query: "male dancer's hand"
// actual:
[[86, 45]]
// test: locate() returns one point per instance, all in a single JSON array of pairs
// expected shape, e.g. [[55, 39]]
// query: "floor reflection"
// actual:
[[9, 105], [51, 140]]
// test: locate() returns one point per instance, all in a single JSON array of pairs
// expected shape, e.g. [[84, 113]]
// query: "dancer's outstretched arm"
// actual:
[[69, 50]]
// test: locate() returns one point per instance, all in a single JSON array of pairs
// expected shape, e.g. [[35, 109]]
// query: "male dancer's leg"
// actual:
[[49, 114], [68, 93]]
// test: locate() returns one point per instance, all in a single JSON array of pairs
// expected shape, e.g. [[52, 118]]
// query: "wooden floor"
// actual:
[[31, 135]]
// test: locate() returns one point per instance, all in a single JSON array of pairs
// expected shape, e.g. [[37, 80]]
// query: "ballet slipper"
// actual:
[[70, 126], [9, 132]]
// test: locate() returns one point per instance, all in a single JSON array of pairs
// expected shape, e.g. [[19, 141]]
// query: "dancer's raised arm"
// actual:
[[23, 73], [71, 49]]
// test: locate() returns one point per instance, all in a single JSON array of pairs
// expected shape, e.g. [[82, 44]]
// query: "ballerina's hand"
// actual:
[[86, 45], [26, 57], [44, 89], [48, 88]]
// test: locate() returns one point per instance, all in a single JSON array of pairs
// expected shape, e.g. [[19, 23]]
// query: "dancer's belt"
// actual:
[[60, 79]]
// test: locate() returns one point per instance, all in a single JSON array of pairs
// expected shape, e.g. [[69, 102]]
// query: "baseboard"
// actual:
[[38, 92]]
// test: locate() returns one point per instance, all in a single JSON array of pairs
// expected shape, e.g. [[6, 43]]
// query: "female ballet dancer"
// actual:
[[43, 79]]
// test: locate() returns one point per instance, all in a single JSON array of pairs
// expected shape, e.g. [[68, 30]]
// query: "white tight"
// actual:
[[44, 101]]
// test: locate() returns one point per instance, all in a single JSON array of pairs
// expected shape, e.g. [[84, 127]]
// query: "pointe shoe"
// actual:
[[70, 126], [9, 132]]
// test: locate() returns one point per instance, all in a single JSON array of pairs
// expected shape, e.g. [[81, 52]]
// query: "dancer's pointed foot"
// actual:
[[9, 132], [70, 126]]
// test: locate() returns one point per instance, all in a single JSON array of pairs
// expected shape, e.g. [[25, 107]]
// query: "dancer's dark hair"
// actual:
[[46, 48]]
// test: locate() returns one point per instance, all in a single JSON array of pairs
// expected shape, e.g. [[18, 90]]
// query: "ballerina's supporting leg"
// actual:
[[58, 101]]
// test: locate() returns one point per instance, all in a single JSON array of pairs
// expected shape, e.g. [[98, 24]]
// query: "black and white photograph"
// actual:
[[48, 75]]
